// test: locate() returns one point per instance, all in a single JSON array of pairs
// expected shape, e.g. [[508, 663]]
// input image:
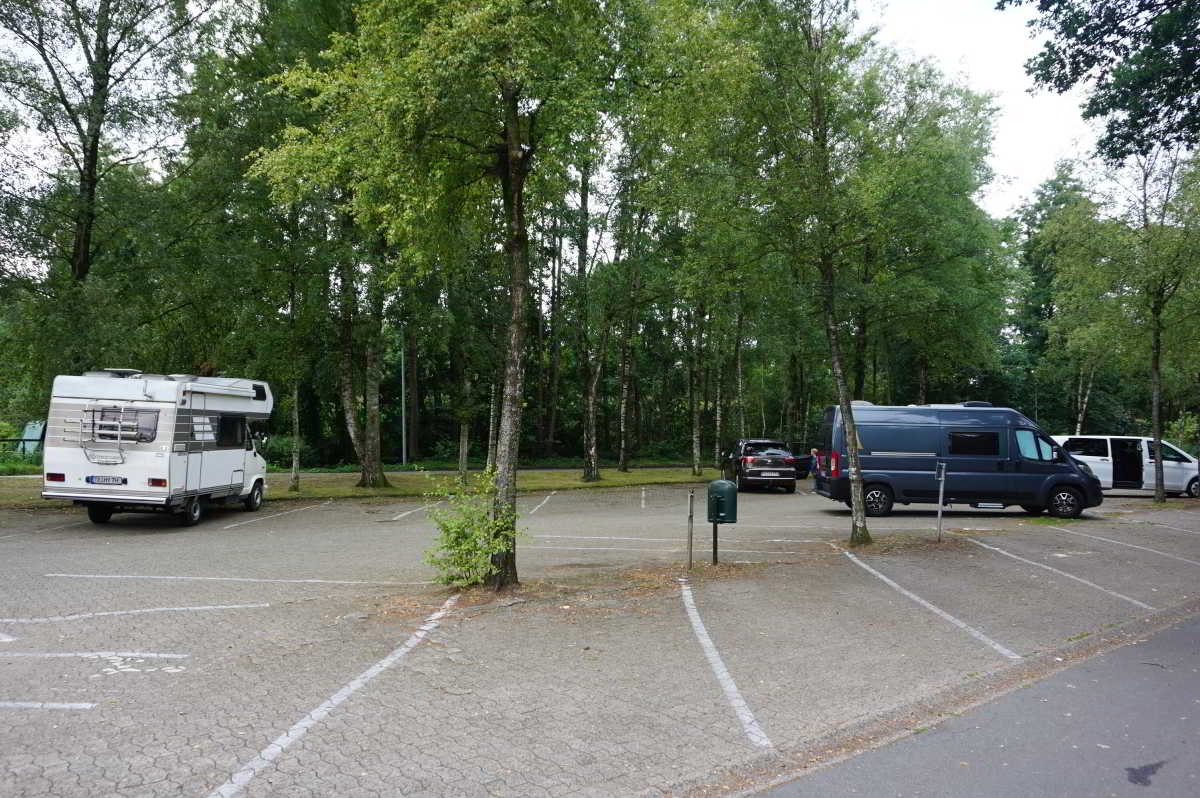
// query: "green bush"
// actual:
[[468, 534], [278, 452]]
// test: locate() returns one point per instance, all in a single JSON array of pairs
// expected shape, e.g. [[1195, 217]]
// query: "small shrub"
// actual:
[[468, 534], [278, 452]]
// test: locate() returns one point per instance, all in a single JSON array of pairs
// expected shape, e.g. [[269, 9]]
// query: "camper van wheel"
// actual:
[[877, 499], [1065, 503], [99, 513], [1033, 509], [192, 512], [1193, 488], [255, 499]]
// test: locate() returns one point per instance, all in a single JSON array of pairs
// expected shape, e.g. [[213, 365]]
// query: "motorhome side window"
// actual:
[[230, 431], [134, 426], [975, 443], [1033, 447], [202, 428]]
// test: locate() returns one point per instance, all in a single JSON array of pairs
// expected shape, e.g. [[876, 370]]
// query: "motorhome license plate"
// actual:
[[770, 473], [106, 480]]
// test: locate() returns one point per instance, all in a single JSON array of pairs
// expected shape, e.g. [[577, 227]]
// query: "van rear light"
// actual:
[[790, 460], [56, 477], [834, 471], [157, 482], [747, 460]]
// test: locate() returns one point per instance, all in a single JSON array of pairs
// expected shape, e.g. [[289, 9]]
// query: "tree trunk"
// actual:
[[493, 425], [694, 390], [591, 456], [1160, 495], [372, 460], [294, 480], [1085, 394], [740, 398], [513, 167]]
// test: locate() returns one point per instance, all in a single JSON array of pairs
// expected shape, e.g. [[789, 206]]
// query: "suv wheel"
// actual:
[[1193, 488]]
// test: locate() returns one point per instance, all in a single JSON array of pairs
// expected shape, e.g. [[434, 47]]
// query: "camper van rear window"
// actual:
[[123, 425]]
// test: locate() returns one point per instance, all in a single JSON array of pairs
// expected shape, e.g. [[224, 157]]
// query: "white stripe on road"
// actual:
[[276, 515], [1082, 581], [657, 551], [6, 638], [1130, 545], [130, 612], [236, 579], [90, 654], [535, 509], [41, 705], [973, 632], [749, 724], [417, 510], [239, 780], [1156, 523]]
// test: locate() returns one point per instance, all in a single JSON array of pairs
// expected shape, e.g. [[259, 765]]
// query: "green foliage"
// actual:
[[1184, 432], [1142, 58], [471, 530], [278, 452]]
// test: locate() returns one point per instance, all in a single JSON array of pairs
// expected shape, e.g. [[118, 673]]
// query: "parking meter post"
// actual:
[[714, 544], [691, 515], [941, 497]]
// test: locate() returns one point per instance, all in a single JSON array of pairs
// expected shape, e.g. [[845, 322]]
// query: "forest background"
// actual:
[[578, 231]]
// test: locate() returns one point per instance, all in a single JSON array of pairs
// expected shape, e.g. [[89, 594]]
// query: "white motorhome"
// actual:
[[118, 440], [1127, 461]]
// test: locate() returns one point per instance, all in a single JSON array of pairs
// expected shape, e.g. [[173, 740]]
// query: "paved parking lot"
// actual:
[[303, 650]]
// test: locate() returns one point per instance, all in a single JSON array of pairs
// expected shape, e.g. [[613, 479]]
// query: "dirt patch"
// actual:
[[926, 541]]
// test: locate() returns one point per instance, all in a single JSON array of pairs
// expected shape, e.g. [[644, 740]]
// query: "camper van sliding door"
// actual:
[[1128, 457], [976, 464]]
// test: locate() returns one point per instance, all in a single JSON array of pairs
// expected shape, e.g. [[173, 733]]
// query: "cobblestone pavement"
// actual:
[[303, 650]]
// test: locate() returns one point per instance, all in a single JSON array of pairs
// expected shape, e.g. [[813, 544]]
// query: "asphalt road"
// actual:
[[1126, 723], [303, 650]]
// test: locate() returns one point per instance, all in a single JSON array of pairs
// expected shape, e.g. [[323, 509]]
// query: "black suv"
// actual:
[[763, 462]]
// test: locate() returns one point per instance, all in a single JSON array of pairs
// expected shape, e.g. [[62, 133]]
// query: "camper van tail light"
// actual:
[[834, 471], [56, 477], [157, 482], [747, 460]]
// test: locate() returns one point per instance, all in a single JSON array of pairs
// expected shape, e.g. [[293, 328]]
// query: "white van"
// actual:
[[118, 440], [1125, 461]]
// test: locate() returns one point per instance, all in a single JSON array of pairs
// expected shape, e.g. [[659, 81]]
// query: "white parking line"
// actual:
[[276, 515], [89, 654], [236, 579], [239, 780], [973, 632], [6, 638], [535, 509], [410, 512], [1164, 526], [753, 731], [659, 551], [41, 705], [83, 615], [1130, 545], [1080, 580]]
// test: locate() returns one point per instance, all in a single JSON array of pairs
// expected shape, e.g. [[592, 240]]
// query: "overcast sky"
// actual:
[[987, 49]]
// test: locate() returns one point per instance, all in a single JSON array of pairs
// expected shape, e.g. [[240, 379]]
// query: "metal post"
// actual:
[[941, 477], [691, 513], [714, 543], [403, 406], [644, 500]]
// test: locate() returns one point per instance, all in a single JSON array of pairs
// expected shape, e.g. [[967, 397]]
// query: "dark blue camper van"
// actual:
[[994, 456]]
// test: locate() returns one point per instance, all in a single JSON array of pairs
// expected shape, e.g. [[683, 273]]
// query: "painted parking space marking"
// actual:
[[236, 579], [90, 654], [277, 515], [239, 780], [749, 724], [6, 638], [1078, 579], [1157, 523], [972, 631], [82, 615], [41, 705], [410, 512], [548, 498], [676, 550], [1130, 545]]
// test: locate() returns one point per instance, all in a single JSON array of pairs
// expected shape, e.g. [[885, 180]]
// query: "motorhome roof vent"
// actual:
[[860, 402], [122, 372], [182, 377], [976, 404]]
